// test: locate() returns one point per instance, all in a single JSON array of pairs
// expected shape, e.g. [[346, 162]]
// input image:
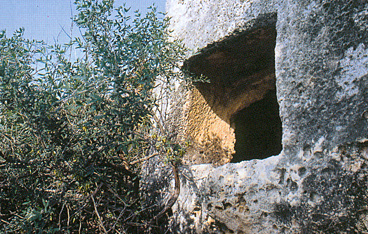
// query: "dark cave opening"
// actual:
[[242, 87], [258, 130]]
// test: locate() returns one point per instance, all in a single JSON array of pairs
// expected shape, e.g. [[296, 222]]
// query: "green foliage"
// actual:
[[69, 128]]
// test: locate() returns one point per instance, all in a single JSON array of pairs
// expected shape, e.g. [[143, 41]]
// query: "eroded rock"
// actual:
[[314, 55]]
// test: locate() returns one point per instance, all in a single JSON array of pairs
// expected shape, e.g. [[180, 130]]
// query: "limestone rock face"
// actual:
[[321, 65], [313, 55], [315, 194]]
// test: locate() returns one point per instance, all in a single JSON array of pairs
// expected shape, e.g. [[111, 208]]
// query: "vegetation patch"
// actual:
[[74, 131]]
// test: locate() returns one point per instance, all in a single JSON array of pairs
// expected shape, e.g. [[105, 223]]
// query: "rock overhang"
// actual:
[[246, 51]]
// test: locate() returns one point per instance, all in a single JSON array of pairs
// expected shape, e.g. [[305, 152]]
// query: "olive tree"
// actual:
[[72, 130]]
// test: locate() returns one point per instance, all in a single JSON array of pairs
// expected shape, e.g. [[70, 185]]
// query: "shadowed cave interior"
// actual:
[[242, 87], [258, 130]]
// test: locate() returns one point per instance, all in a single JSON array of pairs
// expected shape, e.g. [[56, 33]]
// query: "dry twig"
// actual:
[[98, 215], [143, 159]]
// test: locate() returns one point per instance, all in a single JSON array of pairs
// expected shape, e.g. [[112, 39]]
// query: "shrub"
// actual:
[[70, 128]]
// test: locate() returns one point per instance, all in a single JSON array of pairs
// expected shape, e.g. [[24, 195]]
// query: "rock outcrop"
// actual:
[[311, 56]]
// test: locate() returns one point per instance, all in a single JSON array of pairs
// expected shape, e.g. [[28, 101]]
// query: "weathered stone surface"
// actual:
[[275, 196], [318, 183], [201, 22], [321, 65]]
